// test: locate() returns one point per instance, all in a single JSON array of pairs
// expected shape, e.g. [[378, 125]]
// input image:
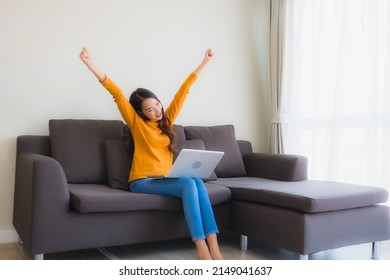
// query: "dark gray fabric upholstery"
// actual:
[[180, 140], [46, 223], [41, 202], [307, 196], [245, 147], [277, 205], [78, 145], [33, 144], [220, 138], [279, 167], [118, 162], [89, 198], [306, 233]]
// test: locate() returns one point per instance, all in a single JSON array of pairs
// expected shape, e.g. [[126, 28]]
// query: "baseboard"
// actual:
[[8, 236]]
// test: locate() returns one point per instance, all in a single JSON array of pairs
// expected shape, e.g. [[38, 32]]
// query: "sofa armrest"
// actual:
[[35, 144], [41, 198], [281, 167]]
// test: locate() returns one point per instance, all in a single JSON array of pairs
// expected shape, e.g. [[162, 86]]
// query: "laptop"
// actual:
[[193, 163]]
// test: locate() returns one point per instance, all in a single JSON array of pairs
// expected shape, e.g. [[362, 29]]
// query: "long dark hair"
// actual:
[[137, 98]]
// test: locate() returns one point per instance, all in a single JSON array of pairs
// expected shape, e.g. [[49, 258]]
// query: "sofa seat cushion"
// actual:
[[308, 196], [89, 198]]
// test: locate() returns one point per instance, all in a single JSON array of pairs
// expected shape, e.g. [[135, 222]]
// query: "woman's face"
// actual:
[[152, 109]]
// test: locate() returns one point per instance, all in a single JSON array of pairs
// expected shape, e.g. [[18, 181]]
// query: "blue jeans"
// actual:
[[196, 203]]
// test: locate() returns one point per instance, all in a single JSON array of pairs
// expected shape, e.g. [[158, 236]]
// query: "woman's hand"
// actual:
[[86, 58], [208, 56]]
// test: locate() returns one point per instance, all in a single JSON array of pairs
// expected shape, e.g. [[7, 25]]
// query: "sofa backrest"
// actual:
[[78, 145], [90, 151]]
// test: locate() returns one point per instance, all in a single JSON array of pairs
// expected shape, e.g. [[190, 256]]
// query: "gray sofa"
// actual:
[[71, 193]]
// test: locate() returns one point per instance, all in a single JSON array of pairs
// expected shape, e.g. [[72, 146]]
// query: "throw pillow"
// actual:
[[118, 162], [220, 138]]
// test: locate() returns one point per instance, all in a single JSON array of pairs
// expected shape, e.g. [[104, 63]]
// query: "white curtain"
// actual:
[[278, 13], [337, 74]]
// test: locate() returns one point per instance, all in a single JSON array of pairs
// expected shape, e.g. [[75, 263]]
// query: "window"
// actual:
[[336, 88]]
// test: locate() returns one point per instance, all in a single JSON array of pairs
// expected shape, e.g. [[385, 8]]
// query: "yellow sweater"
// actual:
[[151, 153]]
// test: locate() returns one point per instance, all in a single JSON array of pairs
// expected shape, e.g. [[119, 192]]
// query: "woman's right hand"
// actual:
[[209, 55], [86, 58]]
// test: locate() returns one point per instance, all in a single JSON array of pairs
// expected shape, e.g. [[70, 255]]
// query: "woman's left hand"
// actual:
[[209, 55]]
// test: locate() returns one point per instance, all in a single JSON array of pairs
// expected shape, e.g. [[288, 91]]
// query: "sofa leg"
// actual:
[[244, 242], [375, 253], [38, 257], [304, 257]]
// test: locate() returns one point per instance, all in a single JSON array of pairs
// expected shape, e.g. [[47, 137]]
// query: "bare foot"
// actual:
[[214, 247], [216, 255], [202, 250], [204, 257]]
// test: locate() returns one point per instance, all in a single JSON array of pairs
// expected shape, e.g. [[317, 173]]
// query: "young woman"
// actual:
[[154, 139]]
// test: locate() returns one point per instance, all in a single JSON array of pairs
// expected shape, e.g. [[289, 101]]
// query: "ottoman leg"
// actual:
[[39, 257], [375, 250], [244, 242], [304, 257]]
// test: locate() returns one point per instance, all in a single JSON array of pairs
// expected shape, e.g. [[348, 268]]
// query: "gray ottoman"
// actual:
[[308, 216]]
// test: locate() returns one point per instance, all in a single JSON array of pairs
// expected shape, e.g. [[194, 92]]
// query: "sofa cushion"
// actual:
[[78, 145], [220, 138], [90, 198], [197, 144], [180, 137], [308, 196], [180, 140], [119, 158]]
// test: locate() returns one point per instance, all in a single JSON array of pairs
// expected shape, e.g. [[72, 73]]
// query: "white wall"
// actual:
[[139, 43]]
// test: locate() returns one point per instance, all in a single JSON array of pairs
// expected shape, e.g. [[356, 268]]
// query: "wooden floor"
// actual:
[[183, 249]]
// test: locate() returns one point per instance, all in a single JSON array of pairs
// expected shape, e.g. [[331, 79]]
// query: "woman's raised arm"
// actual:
[[207, 57], [86, 58]]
